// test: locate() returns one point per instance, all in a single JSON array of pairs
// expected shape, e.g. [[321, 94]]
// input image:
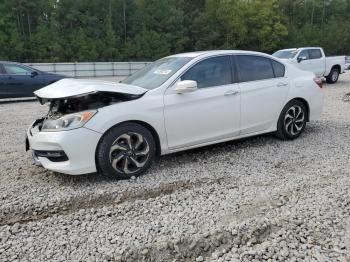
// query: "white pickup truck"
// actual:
[[313, 59]]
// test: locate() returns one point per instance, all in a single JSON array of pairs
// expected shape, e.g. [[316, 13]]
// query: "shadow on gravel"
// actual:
[[207, 151], [171, 160], [201, 154]]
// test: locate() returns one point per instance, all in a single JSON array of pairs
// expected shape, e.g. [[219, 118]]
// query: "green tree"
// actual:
[[122, 30]]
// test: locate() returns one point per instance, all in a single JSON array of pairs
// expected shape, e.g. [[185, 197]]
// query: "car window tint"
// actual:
[[278, 68], [252, 68], [304, 53], [315, 53], [214, 71], [16, 70]]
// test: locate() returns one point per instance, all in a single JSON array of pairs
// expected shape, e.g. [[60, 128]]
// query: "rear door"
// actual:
[[264, 88], [317, 61], [18, 81]]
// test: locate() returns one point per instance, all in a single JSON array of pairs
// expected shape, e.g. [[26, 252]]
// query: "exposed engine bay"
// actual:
[[60, 107], [65, 111]]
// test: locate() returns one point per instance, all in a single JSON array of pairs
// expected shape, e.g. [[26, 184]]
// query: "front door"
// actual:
[[208, 114]]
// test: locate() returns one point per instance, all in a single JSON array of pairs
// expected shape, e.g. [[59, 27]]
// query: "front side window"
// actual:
[[16, 70], [304, 55], [155, 74], [315, 53], [253, 68], [210, 72]]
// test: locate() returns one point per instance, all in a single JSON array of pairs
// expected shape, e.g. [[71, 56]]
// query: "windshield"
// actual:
[[155, 74], [285, 54]]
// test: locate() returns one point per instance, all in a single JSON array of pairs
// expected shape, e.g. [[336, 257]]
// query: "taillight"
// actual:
[[318, 81]]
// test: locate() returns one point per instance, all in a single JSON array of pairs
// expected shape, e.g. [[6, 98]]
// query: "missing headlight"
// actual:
[[60, 107]]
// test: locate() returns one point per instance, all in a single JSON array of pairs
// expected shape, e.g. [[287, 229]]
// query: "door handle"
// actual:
[[282, 84], [231, 93]]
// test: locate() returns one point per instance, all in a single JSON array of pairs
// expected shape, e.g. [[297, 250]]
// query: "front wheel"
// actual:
[[125, 151], [333, 76], [292, 120]]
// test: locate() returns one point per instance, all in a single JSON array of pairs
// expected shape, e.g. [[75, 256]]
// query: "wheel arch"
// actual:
[[142, 123], [338, 67]]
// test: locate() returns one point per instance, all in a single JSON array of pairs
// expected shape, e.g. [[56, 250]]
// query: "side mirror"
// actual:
[[301, 58], [186, 86], [34, 73]]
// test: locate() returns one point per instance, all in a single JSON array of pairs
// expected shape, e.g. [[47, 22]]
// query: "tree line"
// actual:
[[131, 30]]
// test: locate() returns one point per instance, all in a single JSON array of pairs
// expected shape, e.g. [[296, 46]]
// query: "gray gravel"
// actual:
[[249, 200]]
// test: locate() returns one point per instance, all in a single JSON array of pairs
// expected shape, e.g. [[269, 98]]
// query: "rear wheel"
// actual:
[[333, 76], [125, 151], [292, 120]]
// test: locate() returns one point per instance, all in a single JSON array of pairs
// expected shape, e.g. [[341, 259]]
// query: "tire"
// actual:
[[292, 120], [125, 151], [333, 76]]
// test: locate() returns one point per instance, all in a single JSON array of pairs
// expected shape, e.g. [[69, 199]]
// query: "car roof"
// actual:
[[216, 52], [299, 48]]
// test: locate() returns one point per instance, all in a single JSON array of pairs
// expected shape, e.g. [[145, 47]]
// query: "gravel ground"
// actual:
[[249, 200]]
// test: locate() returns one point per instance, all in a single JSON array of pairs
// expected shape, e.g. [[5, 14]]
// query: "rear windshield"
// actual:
[[285, 54], [155, 74]]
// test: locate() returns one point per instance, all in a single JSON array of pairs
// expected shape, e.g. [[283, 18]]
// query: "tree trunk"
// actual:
[[124, 20], [29, 27], [312, 12]]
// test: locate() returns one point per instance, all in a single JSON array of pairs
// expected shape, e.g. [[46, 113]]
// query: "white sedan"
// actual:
[[176, 103]]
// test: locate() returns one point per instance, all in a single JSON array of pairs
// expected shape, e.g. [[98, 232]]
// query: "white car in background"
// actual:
[[176, 103], [347, 62], [313, 59]]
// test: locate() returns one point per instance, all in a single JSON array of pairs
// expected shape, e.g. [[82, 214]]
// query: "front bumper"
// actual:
[[79, 146]]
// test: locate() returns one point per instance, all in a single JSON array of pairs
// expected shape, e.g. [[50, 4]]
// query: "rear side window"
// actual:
[[13, 69], [214, 71], [315, 53], [278, 68], [252, 68]]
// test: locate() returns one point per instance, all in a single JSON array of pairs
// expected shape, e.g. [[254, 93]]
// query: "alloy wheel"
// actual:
[[294, 120], [129, 153]]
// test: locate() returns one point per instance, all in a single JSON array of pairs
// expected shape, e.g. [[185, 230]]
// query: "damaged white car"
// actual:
[[176, 103]]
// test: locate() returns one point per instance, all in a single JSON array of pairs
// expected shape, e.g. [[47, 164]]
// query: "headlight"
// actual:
[[68, 122]]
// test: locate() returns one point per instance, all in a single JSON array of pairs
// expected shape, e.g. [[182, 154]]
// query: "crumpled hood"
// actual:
[[67, 88]]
